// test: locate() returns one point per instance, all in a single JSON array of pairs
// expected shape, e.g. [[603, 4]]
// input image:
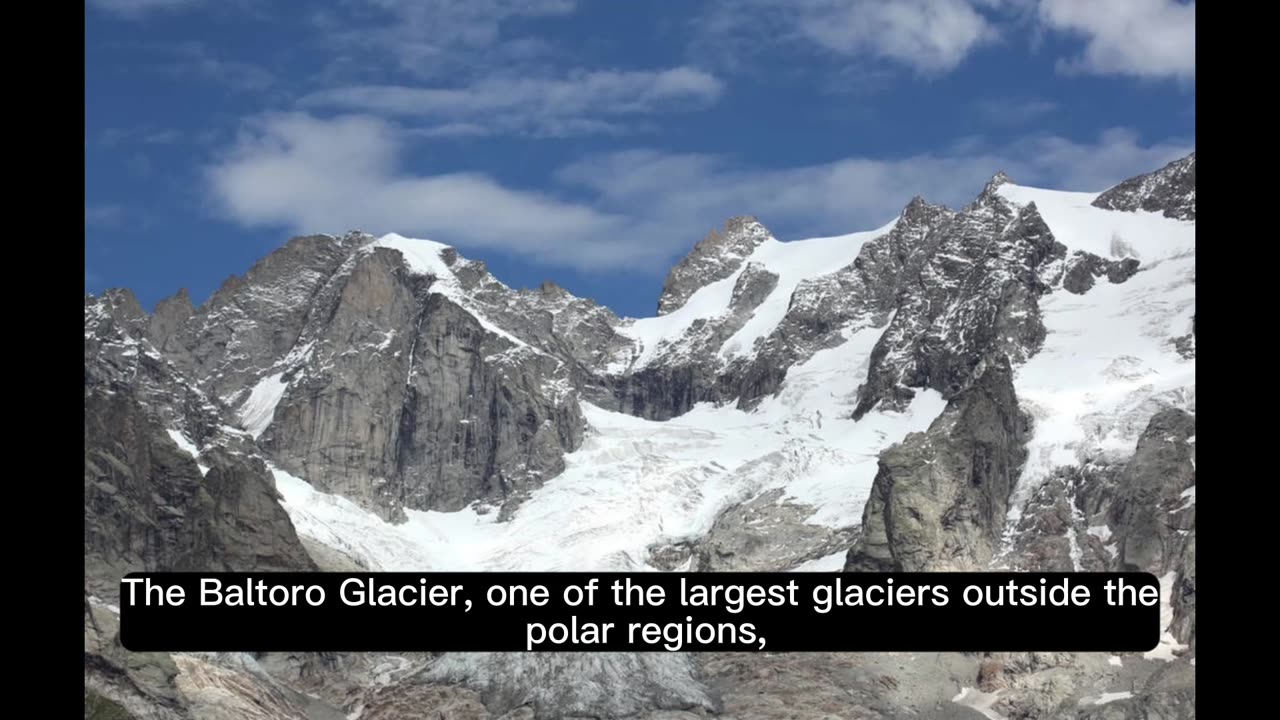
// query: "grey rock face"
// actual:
[[254, 319], [974, 298], [589, 685], [168, 487], [715, 257], [1137, 515], [1054, 533], [170, 316], [940, 498], [1162, 468], [150, 505], [1084, 268], [1171, 191], [436, 411], [764, 534], [368, 382], [689, 371], [1169, 694], [121, 684], [822, 310]]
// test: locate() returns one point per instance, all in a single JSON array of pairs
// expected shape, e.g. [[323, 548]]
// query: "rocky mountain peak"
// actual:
[[995, 182], [117, 307], [920, 211], [551, 290], [715, 257], [169, 316], [1171, 191]]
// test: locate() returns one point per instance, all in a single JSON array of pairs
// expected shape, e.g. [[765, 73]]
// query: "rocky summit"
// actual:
[[1008, 384]]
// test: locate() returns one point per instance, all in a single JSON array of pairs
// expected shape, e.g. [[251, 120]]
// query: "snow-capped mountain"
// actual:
[[1008, 384]]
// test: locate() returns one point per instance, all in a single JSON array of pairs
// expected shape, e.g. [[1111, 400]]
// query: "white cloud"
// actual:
[[1145, 38], [1139, 38], [636, 209], [138, 8], [929, 36], [853, 193], [438, 37], [529, 104], [312, 175], [1117, 155]]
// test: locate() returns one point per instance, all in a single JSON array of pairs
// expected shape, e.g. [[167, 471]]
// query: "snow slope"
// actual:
[[423, 257], [1147, 236], [794, 262], [1108, 363]]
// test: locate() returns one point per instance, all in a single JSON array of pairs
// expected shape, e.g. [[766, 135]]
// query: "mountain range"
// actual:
[[1005, 385]]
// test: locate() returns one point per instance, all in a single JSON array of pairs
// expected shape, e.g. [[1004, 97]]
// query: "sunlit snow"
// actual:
[[792, 262], [1108, 362], [185, 444]]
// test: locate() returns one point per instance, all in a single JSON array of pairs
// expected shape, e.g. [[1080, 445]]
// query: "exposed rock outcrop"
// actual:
[[167, 486], [1171, 191], [940, 499], [715, 257]]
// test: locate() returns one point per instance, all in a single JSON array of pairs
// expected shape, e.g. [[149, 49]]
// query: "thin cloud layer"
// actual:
[[134, 9], [1144, 38], [927, 36], [527, 104], [642, 207]]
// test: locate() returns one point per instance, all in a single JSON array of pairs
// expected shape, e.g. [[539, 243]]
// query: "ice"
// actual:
[[637, 482], [1188, 499], [1108, 697], [1169, 646], [185, 444], [257, 412], [982, 702], [830, 563]]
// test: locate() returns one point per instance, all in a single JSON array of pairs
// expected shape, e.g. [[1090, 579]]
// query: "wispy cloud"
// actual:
[[548, 106], [435, 38], [134, 9], [1137, 38], [634, 209], [141, 135], [927, 36], [195, 59], [103, 216]]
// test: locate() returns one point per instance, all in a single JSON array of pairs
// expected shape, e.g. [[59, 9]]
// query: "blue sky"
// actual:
[[593, 142]]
